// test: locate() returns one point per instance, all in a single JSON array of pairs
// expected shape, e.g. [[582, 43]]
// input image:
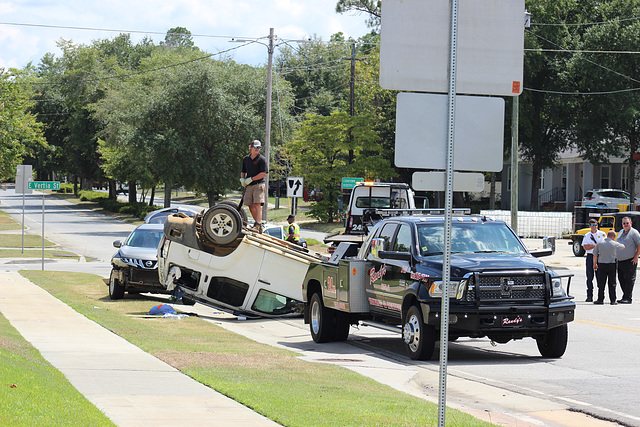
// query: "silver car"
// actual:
[[606, 197], [135, 265]]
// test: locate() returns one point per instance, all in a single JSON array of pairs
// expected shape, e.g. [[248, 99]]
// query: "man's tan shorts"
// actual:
[[254, 194]]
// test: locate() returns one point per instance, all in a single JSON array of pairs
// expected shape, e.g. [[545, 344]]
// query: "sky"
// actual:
[[213, 23]]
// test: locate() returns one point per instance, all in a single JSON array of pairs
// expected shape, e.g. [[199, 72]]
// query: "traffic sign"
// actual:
[[295, 186], [44, 185], [349, 183]]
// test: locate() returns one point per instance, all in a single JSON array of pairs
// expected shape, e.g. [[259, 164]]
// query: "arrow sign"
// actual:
[[294, 186]]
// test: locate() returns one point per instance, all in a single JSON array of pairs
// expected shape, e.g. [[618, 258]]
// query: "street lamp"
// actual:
[[267, 136]]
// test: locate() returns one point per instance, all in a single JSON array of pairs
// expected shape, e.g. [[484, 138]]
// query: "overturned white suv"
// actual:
[[217, 261]]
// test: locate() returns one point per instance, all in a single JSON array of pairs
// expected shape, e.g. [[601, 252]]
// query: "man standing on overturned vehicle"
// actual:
[[254, 169]]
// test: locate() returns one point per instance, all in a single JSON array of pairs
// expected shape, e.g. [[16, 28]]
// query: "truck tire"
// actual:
[[341, 330], [221, 224], [116, 289], [578, 250], [553, 344], [322, 320], [236, 206], [419, 338]]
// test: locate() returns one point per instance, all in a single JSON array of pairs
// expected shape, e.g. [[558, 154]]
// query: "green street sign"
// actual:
[[43, 185], [349, 183]]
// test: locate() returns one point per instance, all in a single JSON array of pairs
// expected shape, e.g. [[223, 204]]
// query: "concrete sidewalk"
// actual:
[[130, 386]]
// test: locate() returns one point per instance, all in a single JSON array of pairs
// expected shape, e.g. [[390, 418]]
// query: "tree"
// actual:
[[608, 121], [200, 123], [320, 153], [20, 133], [545, 118], [178, 37], [372, 8], [318, 74]]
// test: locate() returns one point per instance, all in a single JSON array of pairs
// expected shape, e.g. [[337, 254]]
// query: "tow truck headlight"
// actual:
[[556, 287], [456, 289]]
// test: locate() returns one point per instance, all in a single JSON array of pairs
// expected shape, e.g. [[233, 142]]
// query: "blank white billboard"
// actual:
[[415, 40], [421, 132]]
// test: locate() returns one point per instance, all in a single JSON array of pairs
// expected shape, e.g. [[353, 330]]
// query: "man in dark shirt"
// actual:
[[254, 169]]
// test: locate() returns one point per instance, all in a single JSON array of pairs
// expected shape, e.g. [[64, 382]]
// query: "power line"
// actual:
[[564, 24]]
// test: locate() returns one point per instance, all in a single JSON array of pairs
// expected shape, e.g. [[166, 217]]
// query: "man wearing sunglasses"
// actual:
[[589, 242], [628, 259]]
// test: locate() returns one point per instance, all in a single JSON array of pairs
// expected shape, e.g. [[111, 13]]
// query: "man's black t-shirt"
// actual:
[[253, 167]]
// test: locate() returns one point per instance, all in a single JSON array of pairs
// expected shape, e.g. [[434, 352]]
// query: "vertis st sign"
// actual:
[[44, 185]]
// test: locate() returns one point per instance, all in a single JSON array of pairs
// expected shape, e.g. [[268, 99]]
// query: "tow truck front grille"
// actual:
[[508, 287]]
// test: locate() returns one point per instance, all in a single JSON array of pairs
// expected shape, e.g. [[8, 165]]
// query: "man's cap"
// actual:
[[256, 144], [291, 217]]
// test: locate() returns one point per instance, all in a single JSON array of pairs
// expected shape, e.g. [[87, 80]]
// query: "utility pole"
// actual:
[[352, 92], [267, 137], [514, 165]]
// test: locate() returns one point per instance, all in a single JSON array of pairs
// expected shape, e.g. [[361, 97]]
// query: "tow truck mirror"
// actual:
[[377, 246], [117, 243]]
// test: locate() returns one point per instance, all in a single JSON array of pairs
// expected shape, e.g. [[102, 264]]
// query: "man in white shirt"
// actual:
[[589, 242]]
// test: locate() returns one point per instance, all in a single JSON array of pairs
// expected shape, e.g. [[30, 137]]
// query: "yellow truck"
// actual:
[[606, 222]]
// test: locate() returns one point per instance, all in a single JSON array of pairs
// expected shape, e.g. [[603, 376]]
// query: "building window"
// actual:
[[542, 179], [625, 177], [605, 177]]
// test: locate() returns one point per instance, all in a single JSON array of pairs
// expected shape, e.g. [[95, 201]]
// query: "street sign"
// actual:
[[421, 138], [23, 175], [349, 183], [295, 186], [44, 185], [434, 181], [415, 46]]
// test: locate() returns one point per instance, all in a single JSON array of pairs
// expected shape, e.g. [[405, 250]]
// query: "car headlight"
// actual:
[[556, 287], [456, 289]]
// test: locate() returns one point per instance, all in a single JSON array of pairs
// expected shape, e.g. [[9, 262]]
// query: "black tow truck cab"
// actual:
[[497, 289]]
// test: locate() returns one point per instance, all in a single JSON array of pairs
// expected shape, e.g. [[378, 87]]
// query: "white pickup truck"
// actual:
[[218, 262]]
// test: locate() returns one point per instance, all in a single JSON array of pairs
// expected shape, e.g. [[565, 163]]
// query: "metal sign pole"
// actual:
[[446, 261], [42, 231], [23, 220]]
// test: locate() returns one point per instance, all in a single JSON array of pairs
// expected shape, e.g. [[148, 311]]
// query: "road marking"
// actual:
[[604, 325]]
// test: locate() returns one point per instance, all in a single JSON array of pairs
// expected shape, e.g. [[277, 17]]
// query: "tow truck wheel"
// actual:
[[116, 289], [322, 320], [236, 206], [553, 344], [221, 224], [578, 250], [420, 339]]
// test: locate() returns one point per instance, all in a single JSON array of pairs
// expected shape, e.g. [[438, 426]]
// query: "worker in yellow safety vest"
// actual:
[[292, 230]]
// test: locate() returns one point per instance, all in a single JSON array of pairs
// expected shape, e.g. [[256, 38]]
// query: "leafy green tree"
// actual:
[[20, 133], [320, 154], [608, 120], [546, 118], [371, 8], [178, 37], [318, 73], [201, 122]]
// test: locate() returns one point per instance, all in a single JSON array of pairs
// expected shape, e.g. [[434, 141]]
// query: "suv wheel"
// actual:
[[116, 288]]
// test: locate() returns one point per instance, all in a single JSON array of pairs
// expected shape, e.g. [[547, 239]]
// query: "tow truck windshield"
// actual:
[[468, 238]]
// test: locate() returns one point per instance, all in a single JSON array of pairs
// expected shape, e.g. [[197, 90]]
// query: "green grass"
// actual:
[[32, 392], [36, 253], [7, 223], [270, 380], [30, 241]]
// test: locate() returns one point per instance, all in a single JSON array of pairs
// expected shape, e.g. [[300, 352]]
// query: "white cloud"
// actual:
[[291, 19]]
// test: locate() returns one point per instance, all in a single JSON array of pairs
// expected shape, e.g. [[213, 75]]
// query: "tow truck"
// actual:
[[498, 289]]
